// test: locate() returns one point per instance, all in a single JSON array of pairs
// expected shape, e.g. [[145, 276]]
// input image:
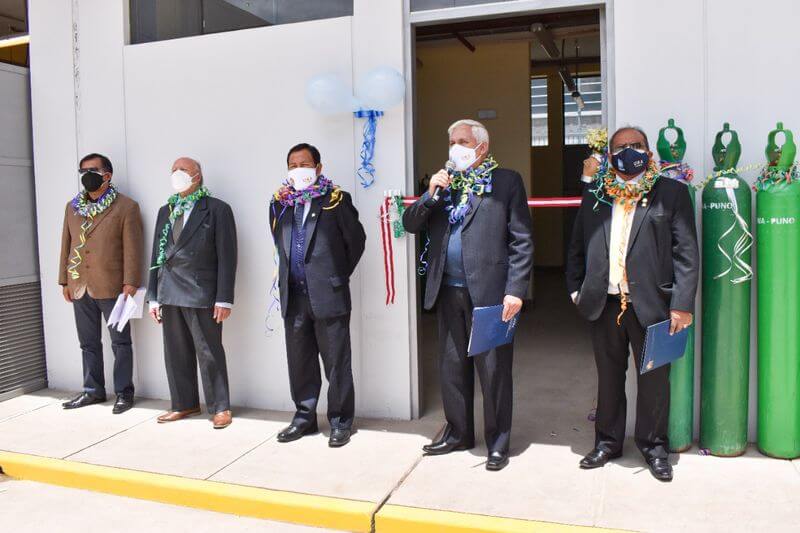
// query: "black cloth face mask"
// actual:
[[630, 161], [92, 181]]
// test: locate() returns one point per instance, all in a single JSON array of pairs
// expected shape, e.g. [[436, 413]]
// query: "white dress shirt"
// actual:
[[618, 233], [185, 215]]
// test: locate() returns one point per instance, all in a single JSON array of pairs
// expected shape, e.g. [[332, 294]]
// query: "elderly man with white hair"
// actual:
[[480, 254], [192, 275]]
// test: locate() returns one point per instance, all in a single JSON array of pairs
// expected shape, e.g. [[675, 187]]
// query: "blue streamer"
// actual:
[[366, 172]]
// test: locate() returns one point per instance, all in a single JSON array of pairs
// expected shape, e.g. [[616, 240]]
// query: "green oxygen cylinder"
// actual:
[[681, 374], [778, 238], [727, 275]]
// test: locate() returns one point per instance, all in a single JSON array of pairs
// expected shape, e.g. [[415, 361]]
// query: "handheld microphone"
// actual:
[[437, 191]]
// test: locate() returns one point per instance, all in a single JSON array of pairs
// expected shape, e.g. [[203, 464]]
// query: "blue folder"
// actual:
[[661, 348], [488, 329]]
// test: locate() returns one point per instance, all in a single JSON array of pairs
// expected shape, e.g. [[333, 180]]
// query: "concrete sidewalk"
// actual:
[[383, 466]]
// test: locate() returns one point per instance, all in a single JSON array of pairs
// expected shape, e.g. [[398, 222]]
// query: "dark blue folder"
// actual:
[[661, 348], [488, 329]]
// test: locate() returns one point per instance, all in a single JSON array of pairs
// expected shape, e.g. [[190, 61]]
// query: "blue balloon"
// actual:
[[328, 94], [381, 88]]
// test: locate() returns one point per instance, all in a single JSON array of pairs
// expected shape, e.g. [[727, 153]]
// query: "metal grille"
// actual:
[[22, 360]]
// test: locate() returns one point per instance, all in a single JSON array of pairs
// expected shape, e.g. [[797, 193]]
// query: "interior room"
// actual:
[[535, 82]]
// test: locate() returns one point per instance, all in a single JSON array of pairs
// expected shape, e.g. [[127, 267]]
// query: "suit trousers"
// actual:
[[611, 352], [87, 319], [457, 376], [192, 336], [308, 338]]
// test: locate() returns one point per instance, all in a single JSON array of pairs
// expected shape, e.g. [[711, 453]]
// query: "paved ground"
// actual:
[[554, 391], [28, 507]]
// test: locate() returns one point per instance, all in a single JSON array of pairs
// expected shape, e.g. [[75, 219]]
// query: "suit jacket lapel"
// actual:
[[199, 214], [605, 212], [311, 221], [285, 223], [639, 214], [99, 218], [476, 201]]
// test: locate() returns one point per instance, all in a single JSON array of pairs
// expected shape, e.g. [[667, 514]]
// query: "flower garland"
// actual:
[[88, 209], [178, 205], [474, 181], [629, 194]]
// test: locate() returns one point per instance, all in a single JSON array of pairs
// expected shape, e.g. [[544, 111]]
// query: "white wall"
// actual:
[[705, 63], [234, 101]]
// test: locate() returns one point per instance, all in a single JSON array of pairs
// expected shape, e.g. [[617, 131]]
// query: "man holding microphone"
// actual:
[[480, 254]]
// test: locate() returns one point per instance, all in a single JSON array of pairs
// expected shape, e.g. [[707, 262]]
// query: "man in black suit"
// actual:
[[319, 241], [480, 254], [633, 262], [191, 290]]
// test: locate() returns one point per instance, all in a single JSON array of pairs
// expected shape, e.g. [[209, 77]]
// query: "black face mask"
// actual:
[[630, 161], [92, 181]]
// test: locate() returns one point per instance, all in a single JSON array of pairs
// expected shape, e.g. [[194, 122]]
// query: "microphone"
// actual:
[[449, 167]]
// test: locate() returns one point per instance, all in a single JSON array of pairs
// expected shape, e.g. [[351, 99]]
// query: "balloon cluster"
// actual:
[[376, 91]]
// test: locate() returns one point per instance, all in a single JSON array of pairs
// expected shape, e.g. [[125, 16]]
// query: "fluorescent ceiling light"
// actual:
[[14, 40]]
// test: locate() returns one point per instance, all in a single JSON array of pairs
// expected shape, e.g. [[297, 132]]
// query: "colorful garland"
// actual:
[[178, 205], [771, 175], [629, 194], [677, 171], [288, 197], [474, 181], [88, 209]]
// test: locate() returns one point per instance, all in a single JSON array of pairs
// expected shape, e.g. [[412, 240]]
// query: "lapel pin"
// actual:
[[644, 202]]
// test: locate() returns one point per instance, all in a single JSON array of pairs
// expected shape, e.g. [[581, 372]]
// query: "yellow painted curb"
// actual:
[[401, 519], [319, 511]]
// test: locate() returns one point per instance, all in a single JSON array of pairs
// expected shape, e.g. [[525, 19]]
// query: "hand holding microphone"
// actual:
[[440, 181]]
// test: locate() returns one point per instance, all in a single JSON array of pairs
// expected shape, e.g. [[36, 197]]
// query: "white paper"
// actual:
[[116, 312], [132, 309]]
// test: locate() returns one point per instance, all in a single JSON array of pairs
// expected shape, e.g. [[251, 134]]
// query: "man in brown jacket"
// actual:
[[101, 257]]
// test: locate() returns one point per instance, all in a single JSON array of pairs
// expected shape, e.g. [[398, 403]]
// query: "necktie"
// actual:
[[177, 227]]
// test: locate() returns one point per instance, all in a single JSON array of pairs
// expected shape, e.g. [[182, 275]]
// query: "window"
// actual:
[[577, 121], [153, 20], [539, 112], [423, 5], [14, 32]]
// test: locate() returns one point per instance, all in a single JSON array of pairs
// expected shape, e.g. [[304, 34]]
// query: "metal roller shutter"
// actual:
[[22, 360]]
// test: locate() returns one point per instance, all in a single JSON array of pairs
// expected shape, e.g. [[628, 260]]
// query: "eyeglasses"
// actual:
[[639, 147], [83, 171]]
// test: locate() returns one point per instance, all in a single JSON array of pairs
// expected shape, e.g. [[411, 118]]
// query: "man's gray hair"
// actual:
[[479, 131], [629, 127]]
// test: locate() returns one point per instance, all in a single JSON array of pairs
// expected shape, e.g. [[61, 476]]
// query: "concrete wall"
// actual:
[[235, 101], [18, 263]]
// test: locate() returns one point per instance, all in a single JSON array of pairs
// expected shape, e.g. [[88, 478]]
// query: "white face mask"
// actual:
[[463, 157], [302, 177], [181, 180]]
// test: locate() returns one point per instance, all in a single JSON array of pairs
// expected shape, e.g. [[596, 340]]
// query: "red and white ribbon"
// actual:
[[557, 201], [388, 249]]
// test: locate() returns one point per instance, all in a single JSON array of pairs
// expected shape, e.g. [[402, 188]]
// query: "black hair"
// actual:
[[106, 162], [629, 128], [305, 146]]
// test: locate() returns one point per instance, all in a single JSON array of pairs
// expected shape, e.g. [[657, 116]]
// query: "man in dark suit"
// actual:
[[319, 241], [633, 262], [101, 257], [191, 290], [480, 254]]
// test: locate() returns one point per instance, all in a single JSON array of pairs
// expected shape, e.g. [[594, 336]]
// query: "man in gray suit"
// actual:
[[191, 290], [480, 254]]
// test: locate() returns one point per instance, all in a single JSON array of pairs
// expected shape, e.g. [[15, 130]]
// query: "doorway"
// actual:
[[534, 80]]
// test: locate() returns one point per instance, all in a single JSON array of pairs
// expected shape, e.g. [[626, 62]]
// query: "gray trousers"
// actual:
[[88, 312], [192, 336]]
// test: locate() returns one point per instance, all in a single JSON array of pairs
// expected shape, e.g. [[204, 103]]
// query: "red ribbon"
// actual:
[[554, 201]]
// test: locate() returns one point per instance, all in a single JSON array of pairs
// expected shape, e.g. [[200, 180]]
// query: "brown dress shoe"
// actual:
[[222, 419], [174, 416]]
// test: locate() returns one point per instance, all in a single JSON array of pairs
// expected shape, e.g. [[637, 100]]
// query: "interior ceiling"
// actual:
[[13, 9]]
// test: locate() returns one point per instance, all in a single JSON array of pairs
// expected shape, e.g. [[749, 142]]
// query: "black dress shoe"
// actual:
[[442, 447], [660, 468], [82, 400], [123, 403], [293, 432], [339, 437], [497, 461], [597, 458]]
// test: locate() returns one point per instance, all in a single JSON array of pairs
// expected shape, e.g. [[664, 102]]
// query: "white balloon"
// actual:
[[328, 94], [381, 88]]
